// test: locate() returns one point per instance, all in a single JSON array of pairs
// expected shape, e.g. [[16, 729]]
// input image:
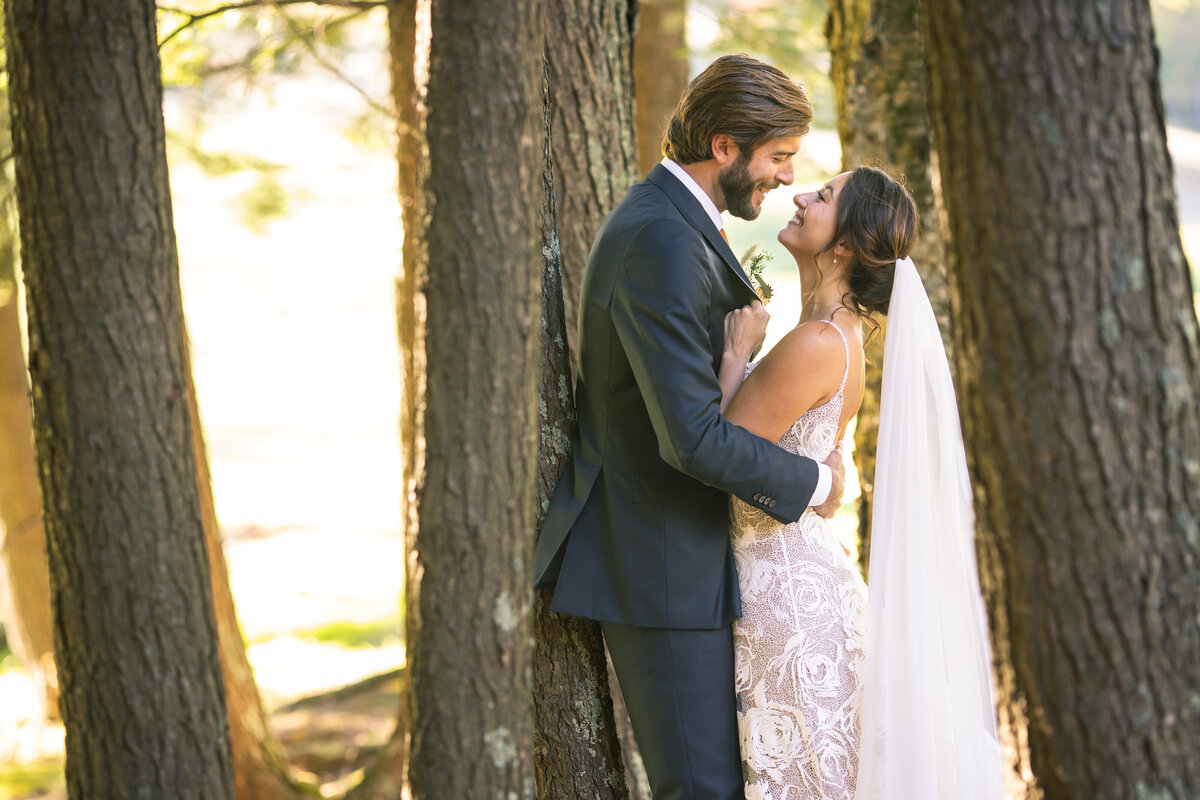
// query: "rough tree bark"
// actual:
[[576, 751], [1076, 346], [590, 63], [142, 699], [879, 83], [589, 47], [469, 643], [660, 73], [587, 154], [24, 574]]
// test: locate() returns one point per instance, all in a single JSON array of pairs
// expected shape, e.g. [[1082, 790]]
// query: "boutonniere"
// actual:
[[755, 264]]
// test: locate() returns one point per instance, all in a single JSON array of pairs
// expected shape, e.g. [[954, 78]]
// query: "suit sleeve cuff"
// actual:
[[824, 484]]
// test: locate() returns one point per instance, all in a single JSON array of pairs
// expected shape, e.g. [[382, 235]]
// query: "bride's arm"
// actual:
[[801, 372], [745, 329]]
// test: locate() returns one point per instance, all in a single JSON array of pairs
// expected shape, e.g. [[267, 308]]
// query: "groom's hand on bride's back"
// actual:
[[837, 468]]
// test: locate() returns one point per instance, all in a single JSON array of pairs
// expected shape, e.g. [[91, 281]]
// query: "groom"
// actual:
[[637, 533]]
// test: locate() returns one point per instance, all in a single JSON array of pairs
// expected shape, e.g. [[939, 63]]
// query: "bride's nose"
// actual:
[[801, 201]]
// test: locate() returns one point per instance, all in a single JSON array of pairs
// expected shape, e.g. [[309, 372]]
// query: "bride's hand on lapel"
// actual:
[[745, 330]]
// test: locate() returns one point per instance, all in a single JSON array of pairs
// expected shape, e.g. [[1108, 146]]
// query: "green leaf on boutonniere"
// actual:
[[755, 265]]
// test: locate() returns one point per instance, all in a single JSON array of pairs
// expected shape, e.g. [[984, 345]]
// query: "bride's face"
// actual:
[[811, 229]]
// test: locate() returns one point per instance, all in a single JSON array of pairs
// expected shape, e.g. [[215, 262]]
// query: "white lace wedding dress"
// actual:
[[799, 645]]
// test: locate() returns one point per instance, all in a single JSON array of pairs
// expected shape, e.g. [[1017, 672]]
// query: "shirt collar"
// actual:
[[690, 184]]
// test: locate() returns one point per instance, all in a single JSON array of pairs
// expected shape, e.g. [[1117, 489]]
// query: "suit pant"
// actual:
[[678, 687]]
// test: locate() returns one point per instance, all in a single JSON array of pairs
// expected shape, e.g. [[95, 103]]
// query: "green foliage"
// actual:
[[211, 61], [266, 200], [32, 779], [366, 131], [787, 33], [263, 202], [217, 164]]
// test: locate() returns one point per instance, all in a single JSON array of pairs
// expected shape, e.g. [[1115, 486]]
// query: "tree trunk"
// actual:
[[408, 44], [590, 162], [589, 48], [24, 575], [142, 699], [1076, 345], [469, 643], [879, 83], [576, 750], [660, 73]]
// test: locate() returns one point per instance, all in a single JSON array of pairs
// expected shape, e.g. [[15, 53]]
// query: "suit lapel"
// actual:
[[695, 214]]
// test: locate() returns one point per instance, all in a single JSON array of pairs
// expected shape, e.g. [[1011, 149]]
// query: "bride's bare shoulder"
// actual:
[[808, 361], [801, 372], [809, 345]]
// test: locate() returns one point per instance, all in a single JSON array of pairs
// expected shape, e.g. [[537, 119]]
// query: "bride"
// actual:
[[840, 697]]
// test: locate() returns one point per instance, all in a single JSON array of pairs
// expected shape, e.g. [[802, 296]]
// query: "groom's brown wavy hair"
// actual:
[[747, 100]]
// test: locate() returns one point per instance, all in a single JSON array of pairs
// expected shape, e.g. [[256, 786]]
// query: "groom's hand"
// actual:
[[837, 467]]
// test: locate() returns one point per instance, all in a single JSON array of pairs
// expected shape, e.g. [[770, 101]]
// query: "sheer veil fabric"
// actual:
[[928, 716]]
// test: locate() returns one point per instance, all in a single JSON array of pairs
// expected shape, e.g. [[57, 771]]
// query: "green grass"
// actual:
[[375, 633], [33, 778]]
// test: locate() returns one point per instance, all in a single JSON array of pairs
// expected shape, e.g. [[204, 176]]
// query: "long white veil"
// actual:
[[929, 728]]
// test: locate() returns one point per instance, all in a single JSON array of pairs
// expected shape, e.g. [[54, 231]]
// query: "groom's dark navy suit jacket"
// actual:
[[637, 532]]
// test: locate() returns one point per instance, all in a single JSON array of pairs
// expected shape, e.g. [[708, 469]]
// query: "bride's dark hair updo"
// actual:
[[877, 221]]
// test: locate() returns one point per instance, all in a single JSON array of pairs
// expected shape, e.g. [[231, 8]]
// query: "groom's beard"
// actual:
[[738, 185]]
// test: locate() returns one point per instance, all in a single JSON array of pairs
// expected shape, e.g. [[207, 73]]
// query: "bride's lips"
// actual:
[[797, 219]]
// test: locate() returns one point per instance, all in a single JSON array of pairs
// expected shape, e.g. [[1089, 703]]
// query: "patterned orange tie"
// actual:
[[723, 236]]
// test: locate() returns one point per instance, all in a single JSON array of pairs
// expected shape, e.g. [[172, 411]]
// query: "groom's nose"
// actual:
[[785, 175]]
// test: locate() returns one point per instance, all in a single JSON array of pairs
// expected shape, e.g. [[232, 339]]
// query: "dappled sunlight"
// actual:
[[24, 737], [297, 374], [298, 668]]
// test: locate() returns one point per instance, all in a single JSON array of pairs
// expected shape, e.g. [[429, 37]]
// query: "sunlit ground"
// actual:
[[296, 366]]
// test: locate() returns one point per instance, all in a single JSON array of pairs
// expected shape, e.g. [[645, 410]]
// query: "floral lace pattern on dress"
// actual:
[[799, 644]]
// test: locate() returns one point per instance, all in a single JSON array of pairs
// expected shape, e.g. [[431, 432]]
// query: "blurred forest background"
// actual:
[[281, 134]]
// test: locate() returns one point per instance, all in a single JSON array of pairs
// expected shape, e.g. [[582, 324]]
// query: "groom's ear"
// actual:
[[724, 149]]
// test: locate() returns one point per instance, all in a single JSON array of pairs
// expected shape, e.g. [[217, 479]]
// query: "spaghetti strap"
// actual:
[[846, 347]]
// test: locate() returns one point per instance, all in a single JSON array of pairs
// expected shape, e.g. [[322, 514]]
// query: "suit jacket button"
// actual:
[[771, 502]]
